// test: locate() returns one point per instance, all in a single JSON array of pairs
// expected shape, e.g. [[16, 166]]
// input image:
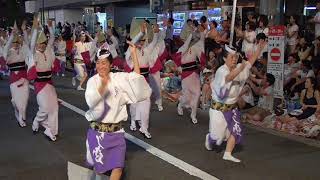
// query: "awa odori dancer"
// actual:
[[224, 114], [140, 111], [60, 52], [185, 58], [41, 66], [82, 57], [107, 95], [16, 53], [159, 56]]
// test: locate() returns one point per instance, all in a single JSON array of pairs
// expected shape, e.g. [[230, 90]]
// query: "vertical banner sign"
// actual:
[[156, 6], [276, 57]]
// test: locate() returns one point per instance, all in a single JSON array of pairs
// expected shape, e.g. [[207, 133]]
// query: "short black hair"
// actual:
[[203, 19], [252, 26], [214, 23], [147, 21], [171, 20], [261, 36], [270, 79], [295, 56], [265, 55], [264, 20], [307, 64], [195, 23], [189, 20]]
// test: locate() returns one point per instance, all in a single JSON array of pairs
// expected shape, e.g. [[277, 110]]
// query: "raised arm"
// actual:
[[51, 31], [154, 41], [33, 40], [25, 34], [255, 56], [133, 50], [8, 44]]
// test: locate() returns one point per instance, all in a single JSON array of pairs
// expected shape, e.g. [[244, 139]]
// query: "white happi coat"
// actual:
[[154, 78], [112, 107], [218, 125], [80, 48], [19, 87], [61, 50], [47, 99], [191, 88], [141, 110]]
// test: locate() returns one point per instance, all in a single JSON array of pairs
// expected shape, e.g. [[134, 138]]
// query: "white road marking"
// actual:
[[194, 171]]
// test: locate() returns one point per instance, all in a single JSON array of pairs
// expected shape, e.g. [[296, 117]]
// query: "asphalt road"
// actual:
[[264, 156]]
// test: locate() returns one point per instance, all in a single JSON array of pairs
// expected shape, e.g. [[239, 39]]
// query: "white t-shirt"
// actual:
[[293, 39], [265, 31], [317, 24], [304, 74]]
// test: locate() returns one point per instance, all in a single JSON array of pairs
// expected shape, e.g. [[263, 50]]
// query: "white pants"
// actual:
[[155, 84], [140, 111], [20, 96], [47, 114], [218, 126], [78, 67], [191, 91]]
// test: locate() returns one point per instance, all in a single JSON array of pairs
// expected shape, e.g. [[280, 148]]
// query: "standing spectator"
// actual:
[[169, 34], [249, 38], [292, 33], [263, 25], [316, 20]]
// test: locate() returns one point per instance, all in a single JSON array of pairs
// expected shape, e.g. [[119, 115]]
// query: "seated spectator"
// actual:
[[290, 69], [301, 76], [265, 104], [310, 101], [172, 82], [304, 50]]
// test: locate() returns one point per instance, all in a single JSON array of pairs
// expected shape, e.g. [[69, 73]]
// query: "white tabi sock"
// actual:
[[227, 156]]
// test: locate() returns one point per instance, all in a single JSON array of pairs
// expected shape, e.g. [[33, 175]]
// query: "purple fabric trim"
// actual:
[[63, 67], [223, 94], [234, 124], [107, 150]]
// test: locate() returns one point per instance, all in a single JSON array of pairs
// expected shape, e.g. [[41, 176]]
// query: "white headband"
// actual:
[[105, 54], [229, 50]]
